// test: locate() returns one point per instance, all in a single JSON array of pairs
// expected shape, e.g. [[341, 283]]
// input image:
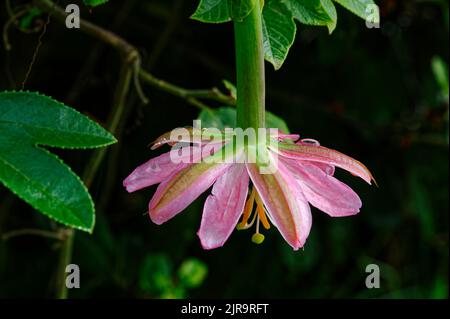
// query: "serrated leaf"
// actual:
[[362, 8], [224, 117], [94, 3], [29, 121], [218, 11], [278, 32], [314, 12]]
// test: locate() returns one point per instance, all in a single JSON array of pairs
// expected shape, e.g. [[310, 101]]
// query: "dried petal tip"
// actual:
[[374, 181], [160, 141], [258, 238]]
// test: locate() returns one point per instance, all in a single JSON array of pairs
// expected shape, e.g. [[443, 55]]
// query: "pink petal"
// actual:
[[152, 172], [224, 207], [326, 168], [323, 191], [285, 203], [159, 168], [292, 137], [325, 155], [182, 188], [187, 137]]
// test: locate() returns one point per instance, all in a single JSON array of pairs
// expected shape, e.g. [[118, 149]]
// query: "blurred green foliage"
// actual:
[[156, 277], [379, 95]]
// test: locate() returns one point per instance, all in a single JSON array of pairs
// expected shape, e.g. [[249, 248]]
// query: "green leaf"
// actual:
[[192, 273], [231, 88], [314, 12], [218, 11], [440, 72], [278, 32], [155, 275], [278, 25], [223, 117], [220, 118], [27, 20], [273, 121], [330, 9], [212, 11], [29, 121], [240, 8], [94, 3], [365, 9]]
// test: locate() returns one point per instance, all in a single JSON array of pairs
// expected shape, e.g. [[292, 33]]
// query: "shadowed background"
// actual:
[[374, 94]]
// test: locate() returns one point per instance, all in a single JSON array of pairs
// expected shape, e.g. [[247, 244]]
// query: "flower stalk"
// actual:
[[250, 69]]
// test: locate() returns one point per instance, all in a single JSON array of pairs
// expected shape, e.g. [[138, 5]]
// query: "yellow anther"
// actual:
[[257, 238]]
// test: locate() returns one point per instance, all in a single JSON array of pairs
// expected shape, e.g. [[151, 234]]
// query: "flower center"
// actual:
[[259, 215]]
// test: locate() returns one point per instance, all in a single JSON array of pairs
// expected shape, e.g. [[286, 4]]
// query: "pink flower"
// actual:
[[304, 176]]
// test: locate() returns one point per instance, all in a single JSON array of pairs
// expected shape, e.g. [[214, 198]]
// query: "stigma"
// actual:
[[259, 216]]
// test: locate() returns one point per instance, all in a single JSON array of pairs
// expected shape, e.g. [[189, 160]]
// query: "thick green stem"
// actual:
[[250, 69]]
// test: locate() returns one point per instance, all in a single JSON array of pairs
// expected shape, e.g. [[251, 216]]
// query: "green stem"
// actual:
[[122, 89], [250, 69], [33, 232], [192, 96], [65, 258]]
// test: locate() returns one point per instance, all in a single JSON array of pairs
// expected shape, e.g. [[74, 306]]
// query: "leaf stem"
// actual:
[[250, 69], [191, 96]]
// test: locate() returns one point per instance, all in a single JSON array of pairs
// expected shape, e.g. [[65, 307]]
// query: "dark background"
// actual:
[[370, 93]]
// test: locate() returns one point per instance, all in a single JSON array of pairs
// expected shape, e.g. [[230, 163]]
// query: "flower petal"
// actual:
[[286, 205], [224, 207], [152, 172], [182, 188], [188, 135], [326, 168], [291, 137], [325, 155], [324, 191], [162, 167]]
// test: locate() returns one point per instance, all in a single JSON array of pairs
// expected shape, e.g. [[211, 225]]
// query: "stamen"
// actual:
[[247, 211], [247, 226], [262, 216], [262, 212]]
